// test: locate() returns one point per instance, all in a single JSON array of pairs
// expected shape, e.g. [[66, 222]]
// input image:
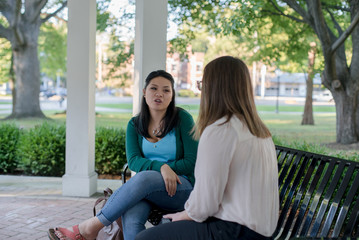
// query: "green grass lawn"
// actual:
[[115, 105], [285, 126], [195, 107], [288, 126], [289, 108]]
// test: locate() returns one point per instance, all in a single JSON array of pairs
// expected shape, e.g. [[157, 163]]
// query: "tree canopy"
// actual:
[[331, 23]]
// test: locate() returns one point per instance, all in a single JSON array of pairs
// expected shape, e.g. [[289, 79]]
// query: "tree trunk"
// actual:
[[24, 41], [12, 82], [339, 78], [308, 107], [347, 111], [27, 84]]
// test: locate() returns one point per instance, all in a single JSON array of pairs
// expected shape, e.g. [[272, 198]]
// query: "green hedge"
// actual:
[[9, 137], [41, 150], [186, 93], [110, 154]]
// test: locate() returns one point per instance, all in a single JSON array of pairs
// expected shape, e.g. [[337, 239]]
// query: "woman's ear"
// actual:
[[144, 92]]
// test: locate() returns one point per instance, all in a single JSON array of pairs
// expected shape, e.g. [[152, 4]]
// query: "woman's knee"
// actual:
[[148, 177]]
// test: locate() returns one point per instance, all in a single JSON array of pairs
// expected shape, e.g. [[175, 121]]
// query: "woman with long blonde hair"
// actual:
[[236, 191]]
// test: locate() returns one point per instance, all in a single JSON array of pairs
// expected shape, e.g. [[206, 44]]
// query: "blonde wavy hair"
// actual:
[[226, 91]]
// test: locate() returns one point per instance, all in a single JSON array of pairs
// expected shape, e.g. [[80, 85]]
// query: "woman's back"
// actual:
[[238, 177]]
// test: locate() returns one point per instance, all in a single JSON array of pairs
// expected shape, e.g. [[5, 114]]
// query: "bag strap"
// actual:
[[107, 193]]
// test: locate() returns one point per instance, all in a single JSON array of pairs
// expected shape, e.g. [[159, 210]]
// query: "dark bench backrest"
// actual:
[[319, 195]]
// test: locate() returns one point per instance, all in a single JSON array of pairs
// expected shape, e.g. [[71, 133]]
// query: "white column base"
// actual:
[[79, 186]]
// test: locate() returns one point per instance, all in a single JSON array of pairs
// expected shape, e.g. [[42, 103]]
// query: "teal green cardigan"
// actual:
[[186, 149]]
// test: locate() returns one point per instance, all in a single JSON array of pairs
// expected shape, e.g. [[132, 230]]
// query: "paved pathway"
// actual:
[[29, 206]]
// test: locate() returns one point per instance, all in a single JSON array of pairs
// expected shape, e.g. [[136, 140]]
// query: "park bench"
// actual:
[[319, 196]]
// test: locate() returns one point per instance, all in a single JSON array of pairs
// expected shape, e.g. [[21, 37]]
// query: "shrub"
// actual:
[[41, 150], [110, 153], [9, 137], [186, 93], [316, 148]]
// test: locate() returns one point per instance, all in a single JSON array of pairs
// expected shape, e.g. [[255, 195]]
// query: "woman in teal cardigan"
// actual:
[[161, 149], [186, 148]]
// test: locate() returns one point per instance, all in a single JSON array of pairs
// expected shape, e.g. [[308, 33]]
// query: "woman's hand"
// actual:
[[171, 179], [178, 216]]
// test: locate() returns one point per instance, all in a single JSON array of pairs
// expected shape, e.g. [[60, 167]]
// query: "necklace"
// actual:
[[156, 132]]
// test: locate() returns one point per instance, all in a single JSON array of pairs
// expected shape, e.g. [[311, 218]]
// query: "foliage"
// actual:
[[185, 93], [119, 56], [5, 60], [261, 36], [41, 150], [301, 145], [9, 137], [103, 16], [315, 148], [119, 52], [201, 42], [110, 154], [279, 32], [228, 45], [53, 49]]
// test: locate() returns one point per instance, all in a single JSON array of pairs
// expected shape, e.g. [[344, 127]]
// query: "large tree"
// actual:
[[24, 19], [334, 23], [340, 74]]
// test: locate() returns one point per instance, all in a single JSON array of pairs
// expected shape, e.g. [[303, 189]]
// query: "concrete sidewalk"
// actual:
[[29, 206]]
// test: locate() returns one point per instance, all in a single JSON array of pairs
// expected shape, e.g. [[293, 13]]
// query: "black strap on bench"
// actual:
[[319, 196]]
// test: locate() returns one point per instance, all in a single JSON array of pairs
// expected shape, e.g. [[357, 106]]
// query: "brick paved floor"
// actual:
[[29, 206]]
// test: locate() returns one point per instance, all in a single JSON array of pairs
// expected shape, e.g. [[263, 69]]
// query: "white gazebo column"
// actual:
[[150, 43], [80, 178]]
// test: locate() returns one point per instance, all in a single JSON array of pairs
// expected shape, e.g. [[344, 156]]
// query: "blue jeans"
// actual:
[[133, 201]]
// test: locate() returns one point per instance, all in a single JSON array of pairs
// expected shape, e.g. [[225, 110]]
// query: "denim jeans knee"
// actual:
[[146, 185]]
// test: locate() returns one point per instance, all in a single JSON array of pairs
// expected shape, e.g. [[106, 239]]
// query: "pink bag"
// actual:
[[113, 231]]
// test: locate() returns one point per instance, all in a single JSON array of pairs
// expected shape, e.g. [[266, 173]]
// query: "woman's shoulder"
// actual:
[[225, 125], [132, 121], [182, 113]]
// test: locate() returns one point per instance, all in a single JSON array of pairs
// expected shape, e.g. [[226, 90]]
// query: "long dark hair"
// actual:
[[169, 121]]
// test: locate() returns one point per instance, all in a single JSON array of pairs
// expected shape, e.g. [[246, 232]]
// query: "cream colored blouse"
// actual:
[[236, 178]]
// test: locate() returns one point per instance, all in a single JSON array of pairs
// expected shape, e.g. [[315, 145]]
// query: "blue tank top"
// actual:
[[164, 150]]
